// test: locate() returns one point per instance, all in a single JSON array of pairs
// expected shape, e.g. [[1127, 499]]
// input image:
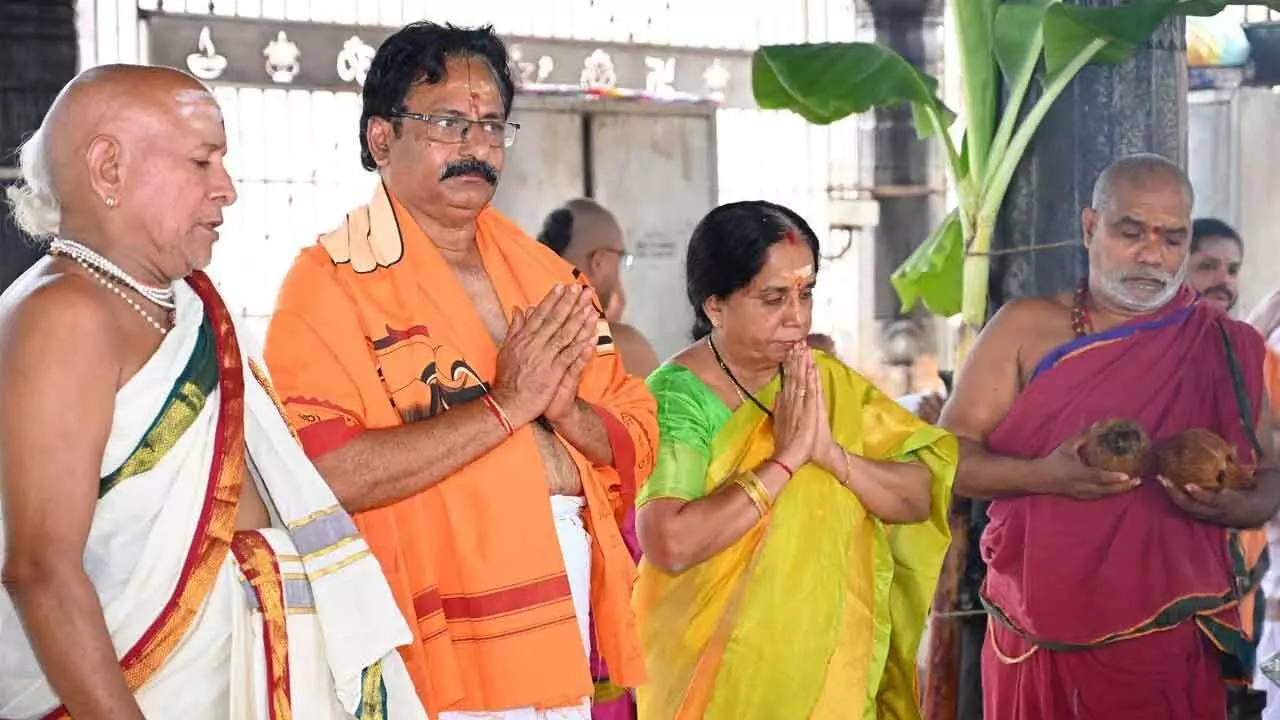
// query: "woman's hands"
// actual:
[[799, 416]]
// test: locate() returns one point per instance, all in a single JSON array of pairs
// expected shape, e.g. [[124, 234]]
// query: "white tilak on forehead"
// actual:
[[193, 102]]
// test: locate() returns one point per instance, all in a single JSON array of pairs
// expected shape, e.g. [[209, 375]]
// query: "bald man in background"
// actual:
[[164, 536], [589, 237]]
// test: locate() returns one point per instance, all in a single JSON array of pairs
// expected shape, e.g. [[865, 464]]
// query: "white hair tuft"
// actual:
[[36, 208]]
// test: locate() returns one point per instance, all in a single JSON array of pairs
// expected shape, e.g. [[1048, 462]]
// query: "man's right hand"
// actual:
[[540, 346], [1063, 473]]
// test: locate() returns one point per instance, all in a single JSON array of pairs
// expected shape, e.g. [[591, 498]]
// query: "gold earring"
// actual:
[[110, 201]]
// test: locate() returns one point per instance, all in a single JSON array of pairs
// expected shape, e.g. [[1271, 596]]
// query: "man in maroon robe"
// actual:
[[1111, 596]]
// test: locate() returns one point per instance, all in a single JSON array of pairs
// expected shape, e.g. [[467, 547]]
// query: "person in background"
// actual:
[[589, 237], [823, 342], [1214, 270], [770, 451]]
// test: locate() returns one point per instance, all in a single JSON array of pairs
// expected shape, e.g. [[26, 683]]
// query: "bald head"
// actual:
[[1139, 172], [587, 235], [129, 160]]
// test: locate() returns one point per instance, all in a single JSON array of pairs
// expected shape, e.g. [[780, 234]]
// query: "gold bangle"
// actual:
[[848, 466], [758, 485], [741, 481], [755, 490]]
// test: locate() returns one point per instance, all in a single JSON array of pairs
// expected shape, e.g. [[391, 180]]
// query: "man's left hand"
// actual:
[[1224, 507], [565, 401]]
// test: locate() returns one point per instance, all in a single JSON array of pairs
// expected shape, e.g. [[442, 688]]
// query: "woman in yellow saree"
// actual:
[[795, 523]]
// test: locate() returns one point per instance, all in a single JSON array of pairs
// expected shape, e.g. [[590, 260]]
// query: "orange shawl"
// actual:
[[372, 330]]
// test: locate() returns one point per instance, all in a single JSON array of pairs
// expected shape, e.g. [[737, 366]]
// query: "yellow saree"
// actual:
[[817, 612]]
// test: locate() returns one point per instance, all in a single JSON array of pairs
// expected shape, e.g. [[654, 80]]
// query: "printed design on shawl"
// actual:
[[321, 425], [185, 403], [445, 375], [604, 335]]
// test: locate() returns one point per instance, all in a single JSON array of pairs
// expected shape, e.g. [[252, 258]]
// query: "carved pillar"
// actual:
[[38, 52], [908, 178]]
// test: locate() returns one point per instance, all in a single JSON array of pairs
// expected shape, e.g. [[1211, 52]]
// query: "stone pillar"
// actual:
[[908, 178], [1108, 112], [38, 52]]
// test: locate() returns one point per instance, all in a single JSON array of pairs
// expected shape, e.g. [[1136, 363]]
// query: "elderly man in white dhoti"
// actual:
[[168, 551]]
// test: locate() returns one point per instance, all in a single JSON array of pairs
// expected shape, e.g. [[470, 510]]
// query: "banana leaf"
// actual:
[[934, 271], [830, 81]]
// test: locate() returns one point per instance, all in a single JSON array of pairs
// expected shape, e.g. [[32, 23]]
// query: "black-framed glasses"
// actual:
[[625, 258], [456, 129]]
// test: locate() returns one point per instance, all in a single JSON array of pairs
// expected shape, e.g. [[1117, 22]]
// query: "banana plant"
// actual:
[[1017, 43]]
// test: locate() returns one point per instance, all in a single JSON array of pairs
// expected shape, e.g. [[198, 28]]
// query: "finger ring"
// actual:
[[803, 393]]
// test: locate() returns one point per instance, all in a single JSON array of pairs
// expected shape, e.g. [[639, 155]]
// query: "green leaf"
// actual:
[[830, 81], [979, 79], [1068, 29], [1018, 36], [934, 273]]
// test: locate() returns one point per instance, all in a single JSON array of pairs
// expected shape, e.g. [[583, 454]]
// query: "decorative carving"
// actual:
[[661, 76], [283, 59], [716, 76], [521, 68], [206, 63], [598, 71], [354, 60]]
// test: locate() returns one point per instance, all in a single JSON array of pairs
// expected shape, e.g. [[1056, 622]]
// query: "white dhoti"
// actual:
[[186, 611], [575, 548]]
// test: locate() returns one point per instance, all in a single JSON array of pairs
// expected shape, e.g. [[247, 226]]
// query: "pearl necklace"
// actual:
[[162, 296], [113, 284]]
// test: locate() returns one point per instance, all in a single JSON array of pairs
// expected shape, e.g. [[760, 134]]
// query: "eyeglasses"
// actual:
[[625, 258], [455, 129]]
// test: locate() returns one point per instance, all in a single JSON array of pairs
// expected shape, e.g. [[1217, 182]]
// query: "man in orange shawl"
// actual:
[[456, 384], [1114, 597]]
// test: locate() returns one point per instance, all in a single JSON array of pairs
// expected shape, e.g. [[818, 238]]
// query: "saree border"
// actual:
[[259, 565], [184, 403], [216, 524], [1084, 344]]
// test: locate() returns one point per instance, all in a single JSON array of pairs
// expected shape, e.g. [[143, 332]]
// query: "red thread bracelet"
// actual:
[[779, 463], [496, 409]]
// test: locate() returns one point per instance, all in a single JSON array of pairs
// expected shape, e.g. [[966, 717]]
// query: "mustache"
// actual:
[[470, 166], [1153, 275], [1225, 292]]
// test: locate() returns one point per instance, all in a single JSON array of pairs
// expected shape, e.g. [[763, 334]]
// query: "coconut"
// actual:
[[1200, 457], [1116, 445]]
